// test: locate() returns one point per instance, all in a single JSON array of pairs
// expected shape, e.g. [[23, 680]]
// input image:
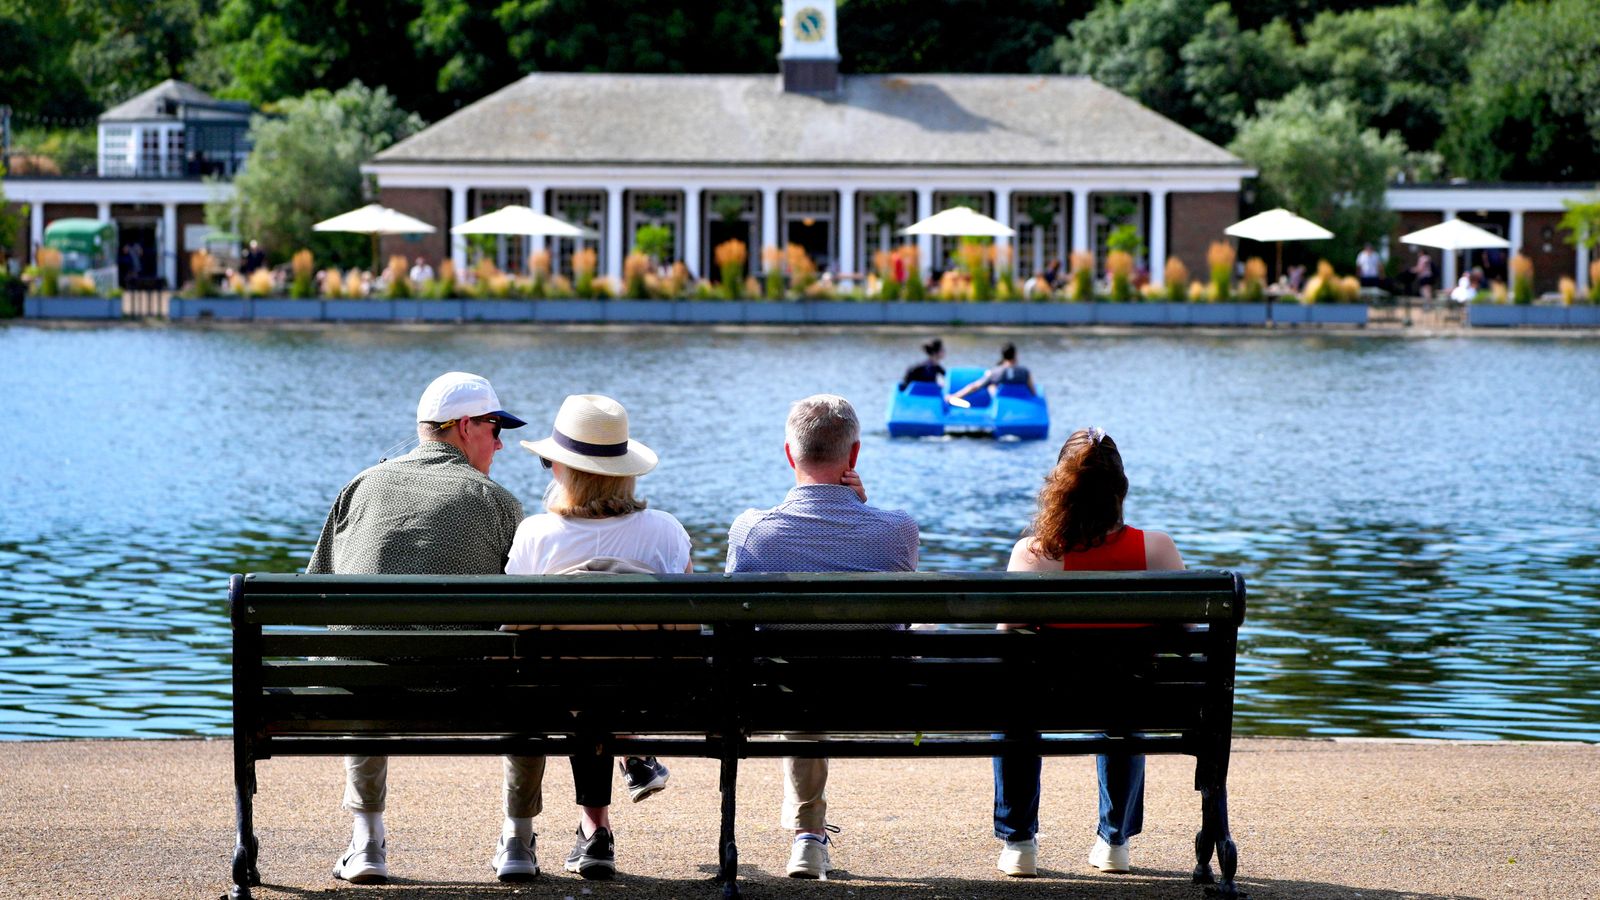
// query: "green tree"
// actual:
[[128, 46], [1581, 221], [37, 78], [1228, 72], [882, 36], [10, 224], [1134, 46], [1532, 109], [1398, 65], [305, 167], [1317, 160]]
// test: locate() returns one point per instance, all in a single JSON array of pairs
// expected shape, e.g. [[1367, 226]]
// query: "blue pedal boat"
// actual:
[[1010, 410]]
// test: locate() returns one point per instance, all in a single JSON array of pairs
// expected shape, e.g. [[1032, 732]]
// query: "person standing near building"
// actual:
[[1369, 267], [433, 511], [254, 258], [823, 525]]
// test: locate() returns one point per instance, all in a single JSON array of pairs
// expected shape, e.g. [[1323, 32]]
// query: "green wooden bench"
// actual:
[[331, 665]]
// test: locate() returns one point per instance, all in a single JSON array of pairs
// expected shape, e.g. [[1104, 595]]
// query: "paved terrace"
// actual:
[[1377, 820]]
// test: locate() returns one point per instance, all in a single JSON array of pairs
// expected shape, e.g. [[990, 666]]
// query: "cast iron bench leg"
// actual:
[[1214, 835], [728, 874], [246, 848]]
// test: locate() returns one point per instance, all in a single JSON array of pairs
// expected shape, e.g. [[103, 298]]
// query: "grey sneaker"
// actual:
[[514, 860], [808, 857], [643, 776], [594, 857], [367, 864]]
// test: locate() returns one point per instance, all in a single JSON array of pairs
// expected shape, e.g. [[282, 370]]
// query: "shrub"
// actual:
[[1119, 264], [539, 269], [1497, 292], [654, 241], [1568, 289], [560, 286], [259, 284], [973, 256], [605, 288], [1219, 259], [635, 270], [751, 289], [1000, 260], [584, 263], [1126, 239], [1176, 280], [1081, 288], [332, 284], [772, 272], [1197, 292], [49, 262], [1521, 279], [730, 257], [398, 276], [1348, 289], [355, 284], [802, 271], [203, 271], [1254, 287], [302, 284]]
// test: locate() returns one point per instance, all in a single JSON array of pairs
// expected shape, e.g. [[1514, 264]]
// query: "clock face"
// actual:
[[809, 25]]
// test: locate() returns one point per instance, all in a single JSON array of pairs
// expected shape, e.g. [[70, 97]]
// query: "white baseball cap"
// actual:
[[456, 395]]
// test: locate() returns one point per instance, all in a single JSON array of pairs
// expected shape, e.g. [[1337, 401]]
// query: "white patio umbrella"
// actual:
[[1276, 226], [524, 221], [375, 219], [960, 221], [1455, 234]]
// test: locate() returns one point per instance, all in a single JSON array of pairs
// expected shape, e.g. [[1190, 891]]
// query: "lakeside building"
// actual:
[[1525, 214], [161, 156]]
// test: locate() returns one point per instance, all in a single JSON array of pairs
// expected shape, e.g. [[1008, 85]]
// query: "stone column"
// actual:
[[1515, 237], [458, 214], [693, 230], [615, 215], [102, 211], [1002, 214], [536, 203], [1158, 237], [1447, 263], [846, 261], [35, 229], [769, 227], [1583, 265], [169, 243], [924, 241], [1080, 219]]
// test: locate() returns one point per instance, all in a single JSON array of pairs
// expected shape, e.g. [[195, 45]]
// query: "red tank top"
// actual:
[[1123, 551]]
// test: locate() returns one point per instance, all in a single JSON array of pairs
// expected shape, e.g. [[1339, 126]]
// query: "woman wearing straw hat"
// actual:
[[594, 523]]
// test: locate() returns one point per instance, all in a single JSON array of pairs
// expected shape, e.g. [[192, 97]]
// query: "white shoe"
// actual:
[[514, 860], [1107, 858], [1020, 859], [808, 857], [367, 864]]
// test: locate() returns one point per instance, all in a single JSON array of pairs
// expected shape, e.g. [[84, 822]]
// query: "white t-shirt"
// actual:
[[548, 543]]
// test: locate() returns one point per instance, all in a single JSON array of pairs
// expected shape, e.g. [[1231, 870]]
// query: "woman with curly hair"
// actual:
[[1079, 527]]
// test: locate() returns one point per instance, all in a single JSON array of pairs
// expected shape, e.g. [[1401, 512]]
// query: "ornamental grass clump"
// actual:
[[584, 263], [730, 257], [973, 256], [676, 284], [1000, 259], [802, 271], [539, 273], [1254, 287], [444, 286], [1080, 286], [203, 272], [888, 288], [303, 282], [1175, 280], [1323, 287], [1521, 280], [914, 288], [332, 284], [635, 270], [1220, 257], [49, 262], [772, 272], [356, 284], [397, 279], [1594, 281], [259, 284], [1119, 265], [1568, 289], [1497, 292]]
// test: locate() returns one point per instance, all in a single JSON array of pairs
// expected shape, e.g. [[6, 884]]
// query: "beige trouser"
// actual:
[[366, 784], [805, 790]]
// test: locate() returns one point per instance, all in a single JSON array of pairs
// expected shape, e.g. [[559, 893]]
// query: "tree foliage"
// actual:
[[305, 167], [1228, 72], [36, 74], [1317, 160], [1135, 46], [886, 36], [124, 47], [1532, 109]]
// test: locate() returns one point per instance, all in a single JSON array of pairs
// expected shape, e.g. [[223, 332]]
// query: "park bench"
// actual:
[[333, 664]]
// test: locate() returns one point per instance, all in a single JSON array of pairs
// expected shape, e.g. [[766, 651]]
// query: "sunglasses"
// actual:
[[546, 463], [490, 419]]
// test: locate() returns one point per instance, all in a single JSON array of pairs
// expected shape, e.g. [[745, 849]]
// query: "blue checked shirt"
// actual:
[[823, 528]]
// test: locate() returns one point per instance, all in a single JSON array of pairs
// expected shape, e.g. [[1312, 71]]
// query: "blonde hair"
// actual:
[[585, 495]]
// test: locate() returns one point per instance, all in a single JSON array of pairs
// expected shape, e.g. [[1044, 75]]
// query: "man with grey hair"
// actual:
[[823, 525], [433, 511]]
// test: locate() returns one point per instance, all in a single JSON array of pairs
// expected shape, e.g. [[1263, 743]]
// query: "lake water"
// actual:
[[1418, 520]]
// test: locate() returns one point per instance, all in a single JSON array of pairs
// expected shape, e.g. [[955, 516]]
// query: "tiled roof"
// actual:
[[153, 105]]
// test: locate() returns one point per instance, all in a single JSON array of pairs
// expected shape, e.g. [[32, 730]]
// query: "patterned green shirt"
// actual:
[[426, 513]]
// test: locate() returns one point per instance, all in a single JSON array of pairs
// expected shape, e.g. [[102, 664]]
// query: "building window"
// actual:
[[585, 209], [116, 144], [657, 208], [1110, 212], [808, 220], [509, 251], [149, 152], [729, 216], [1041, 224], [175, 152], [882, 214]]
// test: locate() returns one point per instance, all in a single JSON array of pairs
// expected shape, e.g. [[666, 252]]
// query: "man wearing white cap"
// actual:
[[433, 511]]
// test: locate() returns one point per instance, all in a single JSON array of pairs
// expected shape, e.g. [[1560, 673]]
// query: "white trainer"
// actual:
[[1020, 859], [1107, 858], [366, 864], [808, 857]]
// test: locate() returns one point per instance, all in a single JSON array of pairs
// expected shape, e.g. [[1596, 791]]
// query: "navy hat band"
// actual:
[[587, 449]]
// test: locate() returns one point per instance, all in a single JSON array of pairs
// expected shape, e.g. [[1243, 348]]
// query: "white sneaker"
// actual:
[[514, 860], [367, 864], [808, 857], [1107, 858], [1020, 859]]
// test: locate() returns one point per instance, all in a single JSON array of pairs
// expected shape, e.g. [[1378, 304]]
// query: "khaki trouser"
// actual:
[[366, 784], [805, 790]]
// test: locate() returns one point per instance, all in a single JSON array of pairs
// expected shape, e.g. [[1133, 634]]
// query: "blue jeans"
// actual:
[[1016, 797]]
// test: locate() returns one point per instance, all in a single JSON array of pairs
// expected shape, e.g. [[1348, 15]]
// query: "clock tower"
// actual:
[[810, 55]]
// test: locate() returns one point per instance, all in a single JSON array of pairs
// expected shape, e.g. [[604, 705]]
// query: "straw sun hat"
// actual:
[[591, 435]]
